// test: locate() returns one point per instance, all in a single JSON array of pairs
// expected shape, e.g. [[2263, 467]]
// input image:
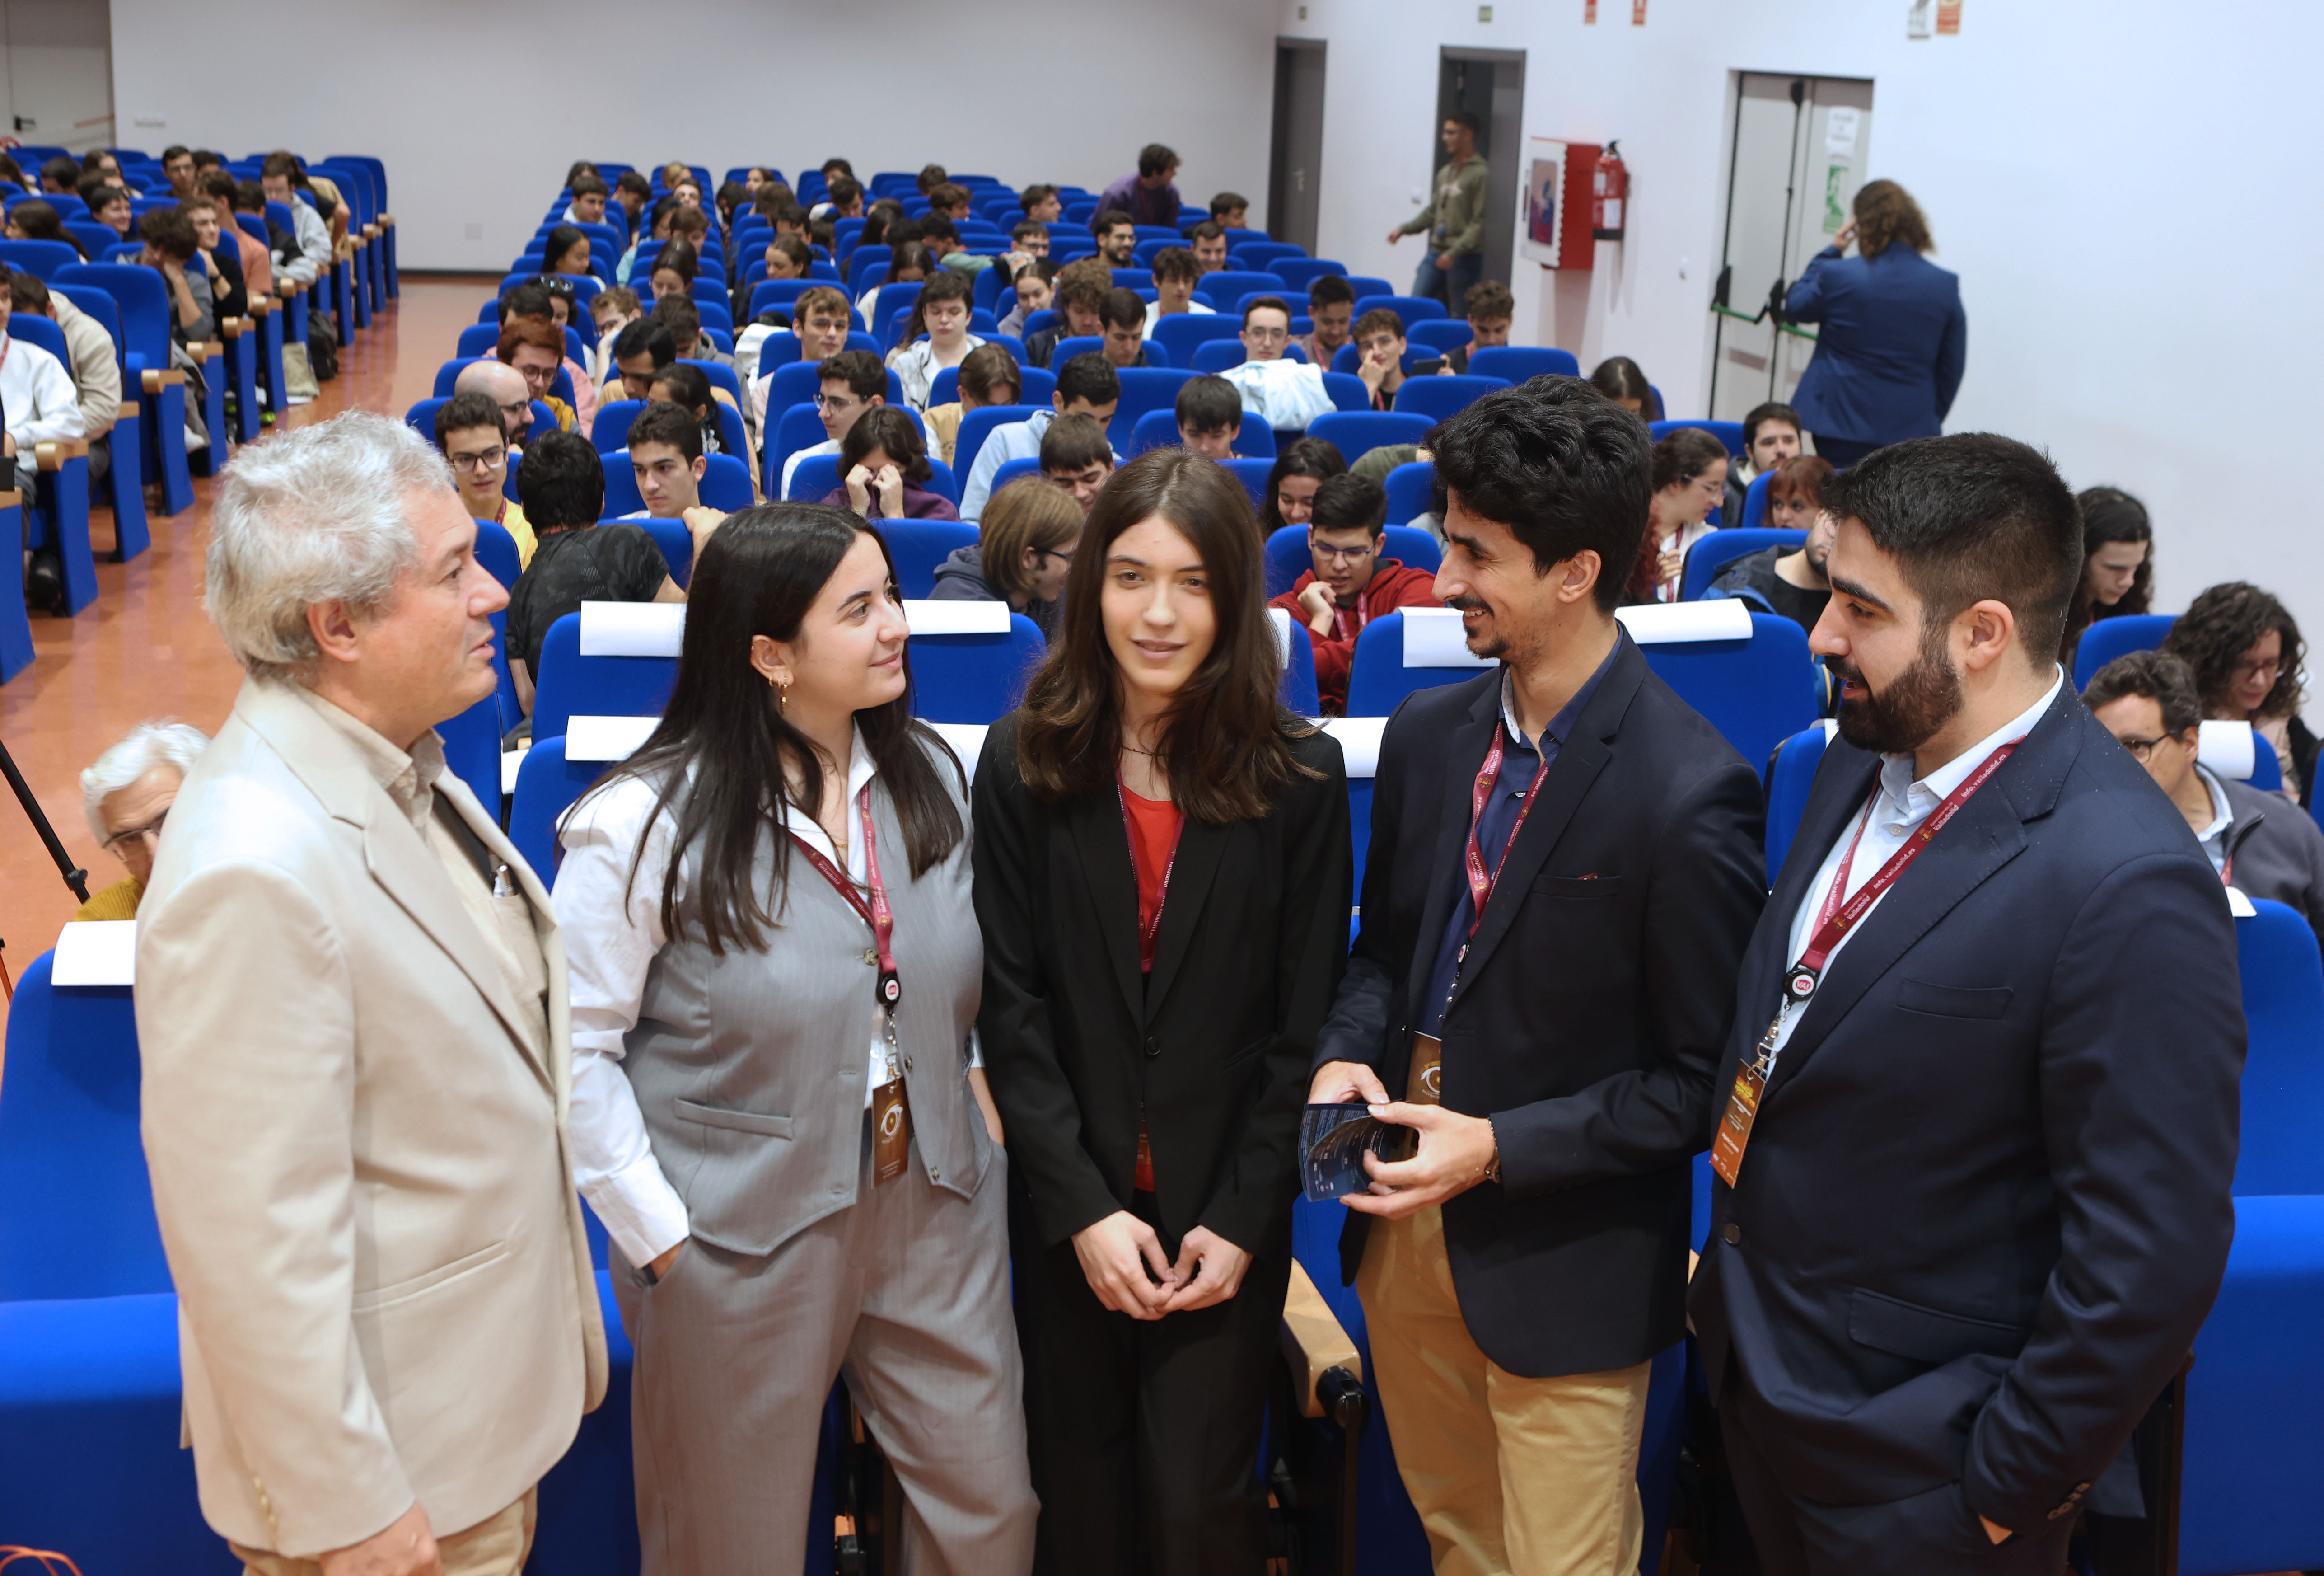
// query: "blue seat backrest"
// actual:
[[40, 258], [1439, 397], [1377, 680], [34, 330], [472, 747], [1714, 552], [1349, 394], [611, 430], [1412, 308], [1729, 433], [1758, 692], [547, 785], [1012, 470], [1300, 273], [2109, 639], [676, 543], [1159, 429], [973, 678], [1253, 474], [1519, 362], [1212, 356], [79, 1217], [478, 341], [99, 305], [977, 425], [1411, 491], [1143, 389], [1755, 502], [1229, 285], [1440, 336], [720, 375], [1356, 433], [2283, 1067], [1789, 777], [593, 686], [1179, 333], [143, 300], [1297, 689], [919, 546]]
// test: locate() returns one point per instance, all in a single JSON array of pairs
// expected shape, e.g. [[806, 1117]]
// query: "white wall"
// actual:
[[55, 71], [433, 87], [2124, 189]]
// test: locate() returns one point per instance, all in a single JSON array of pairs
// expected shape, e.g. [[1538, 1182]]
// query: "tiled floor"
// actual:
[[145, 649]]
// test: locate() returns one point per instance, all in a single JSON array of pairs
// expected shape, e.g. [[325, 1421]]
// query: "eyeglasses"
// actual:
[[151, 830], [1343, 554], [2259, 667], [2140, 748], [1266, 335], [490, 459], [824, 401], [1052, 553]]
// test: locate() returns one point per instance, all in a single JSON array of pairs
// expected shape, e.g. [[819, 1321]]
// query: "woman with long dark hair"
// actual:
[[775, 972], [567, 251], [2251, 666], [1304, 465], [2117, 563], [35, 220], [1162, 875]]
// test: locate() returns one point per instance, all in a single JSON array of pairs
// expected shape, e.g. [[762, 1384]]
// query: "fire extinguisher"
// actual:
[[1609, 191]]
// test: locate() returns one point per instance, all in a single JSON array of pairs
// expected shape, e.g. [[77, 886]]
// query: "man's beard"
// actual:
[[1906, 715]]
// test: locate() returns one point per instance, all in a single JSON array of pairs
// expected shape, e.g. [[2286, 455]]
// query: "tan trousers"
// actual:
[[1512, 1477], [495, 1546]]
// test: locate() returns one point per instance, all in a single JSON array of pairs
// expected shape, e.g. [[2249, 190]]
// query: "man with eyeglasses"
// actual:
[[848, 384], [1352, 584], [469, 430], [2260, 843], [127, 795], [1287, 394]]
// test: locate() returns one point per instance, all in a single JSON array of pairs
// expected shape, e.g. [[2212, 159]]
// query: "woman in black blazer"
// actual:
[[1162, 876]]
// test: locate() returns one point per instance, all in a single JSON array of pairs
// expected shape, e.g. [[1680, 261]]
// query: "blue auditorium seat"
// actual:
[[2109, 639], [1440, 336], [1297, 689], [919, 546], [570, 683], [1755, 501], [1159, 429], [1519, 362], [1790, 775], [978, 425], [1714, 552], [1439, 397], [1731, 433], [1411, 491], [143, 304], [1143, 389], [1412, 308], [1253, 473], [1227, 286], [973, 678], [1757, 691], [1356, 433], [610, 433], [1179, 333], [41, 259], [1300, 273]]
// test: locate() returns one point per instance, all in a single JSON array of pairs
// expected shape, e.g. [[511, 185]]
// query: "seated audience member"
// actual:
[[930, 177], [473, 437], [1087, 386], [1330, 315], [1771, 436], [1300, 471], [683, 319], [1117, 239], [536, 352], [101, 163], [689, 388], [820, 321], [207, 159], [59, 175], [1491, 308], [1350, 584], [238, 198], [1082, 288], [949, 200], [2261, 846], [1032, 294], [1286, 395], [988, 376], [666, 459], [562, 487], [1620, 379], [1379, 340], [1024, 550], [940, 312], [588, 205], [1690, 479], [567, 251], [308, 255], [1041, 204], [1231, 210], [35, 220], [504, 385], [38, 401], [730, 196], [108, 205], [227, 252], [632, 194], [849, 384], [884, 471], [640, 350], [2117, 563], [1076, 457], [941, 237], [1121, 317], [844, 199], [127, 792], [174, 250], [1209, 417], [674, 270], [911, 262], [178, 169], [95, 369], [881, 214], [1146, 198], [12, 173], [613, 311], [537, 300], [1788, 581], [1029, 239], [2248, 661], [1209, 241], [1175, 276], [788, 257], [658, 227]]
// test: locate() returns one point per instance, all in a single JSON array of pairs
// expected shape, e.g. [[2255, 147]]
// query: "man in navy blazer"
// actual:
[[1894, 339], [1980, 1202], [1520, 1273]]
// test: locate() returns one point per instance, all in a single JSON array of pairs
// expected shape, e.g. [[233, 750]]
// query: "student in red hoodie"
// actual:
[[1352, 584]]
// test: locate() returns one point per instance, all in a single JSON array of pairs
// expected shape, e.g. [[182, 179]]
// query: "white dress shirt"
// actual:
[[916, 368], [2214, 837], [1154, 314], [43, 405], [612, 922], [1898, 807]]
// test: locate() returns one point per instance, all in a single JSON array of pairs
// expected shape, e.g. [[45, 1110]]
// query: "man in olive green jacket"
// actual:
[[1454, 219]]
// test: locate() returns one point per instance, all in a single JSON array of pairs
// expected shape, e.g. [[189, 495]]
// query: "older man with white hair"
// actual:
[[352, 1007], [127, 795]]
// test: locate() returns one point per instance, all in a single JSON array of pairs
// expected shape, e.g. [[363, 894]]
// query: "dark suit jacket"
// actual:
[[1590, 1016], [1888, 359], [1985, 1204], [1212, 1052]]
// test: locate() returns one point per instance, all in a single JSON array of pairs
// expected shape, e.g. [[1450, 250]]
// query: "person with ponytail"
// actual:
[[777, 1112]]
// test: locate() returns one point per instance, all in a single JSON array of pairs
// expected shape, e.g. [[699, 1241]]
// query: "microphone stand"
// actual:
[[74, 878]]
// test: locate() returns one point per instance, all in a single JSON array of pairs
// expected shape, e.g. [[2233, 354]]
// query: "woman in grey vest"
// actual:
[[775, 970]]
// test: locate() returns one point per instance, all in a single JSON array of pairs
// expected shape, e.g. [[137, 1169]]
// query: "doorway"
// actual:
[[1799, 152], [1294, 179], [1491, 85], [58, 84]]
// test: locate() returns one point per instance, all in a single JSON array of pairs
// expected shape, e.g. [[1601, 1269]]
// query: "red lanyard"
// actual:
[[1147, 929], [876, 912], [1480, 883], [1834, 918]]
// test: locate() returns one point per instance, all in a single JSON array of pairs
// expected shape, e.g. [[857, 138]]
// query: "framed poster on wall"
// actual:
[[1553, 218]]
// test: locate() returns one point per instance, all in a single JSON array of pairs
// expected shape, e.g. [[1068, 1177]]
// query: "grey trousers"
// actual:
[[905, 1293]]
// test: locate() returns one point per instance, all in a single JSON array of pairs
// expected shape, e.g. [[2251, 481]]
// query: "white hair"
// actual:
[[318, 515], [147, 746]]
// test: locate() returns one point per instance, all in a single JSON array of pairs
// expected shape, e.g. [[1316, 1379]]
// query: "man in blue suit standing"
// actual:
[[1977, 1112], [1894, 341]]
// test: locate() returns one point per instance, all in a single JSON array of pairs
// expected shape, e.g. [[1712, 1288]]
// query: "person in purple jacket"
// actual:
[[1148, 196], [885, 471]]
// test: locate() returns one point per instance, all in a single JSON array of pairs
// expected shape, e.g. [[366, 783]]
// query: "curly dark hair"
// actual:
[[2223, 624]]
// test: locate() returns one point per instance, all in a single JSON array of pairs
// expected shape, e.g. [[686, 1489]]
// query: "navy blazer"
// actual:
[[1985, 1206], [1889, 356], [1590, 1013]]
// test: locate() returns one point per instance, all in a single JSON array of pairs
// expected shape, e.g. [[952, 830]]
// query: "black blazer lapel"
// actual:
[[1463, 752], [1103, 844], [1200, 850]]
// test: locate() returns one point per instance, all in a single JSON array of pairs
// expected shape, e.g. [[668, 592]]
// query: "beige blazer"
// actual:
[[358, 1160]]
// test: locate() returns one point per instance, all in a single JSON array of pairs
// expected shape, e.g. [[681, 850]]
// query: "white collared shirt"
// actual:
[[1898, 807], [2214, 837], [612, 930]]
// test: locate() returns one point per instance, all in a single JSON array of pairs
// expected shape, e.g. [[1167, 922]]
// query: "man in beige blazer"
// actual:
[[351, 997]]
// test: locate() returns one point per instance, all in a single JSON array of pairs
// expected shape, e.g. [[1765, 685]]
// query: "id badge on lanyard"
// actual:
[[892, 1117]]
